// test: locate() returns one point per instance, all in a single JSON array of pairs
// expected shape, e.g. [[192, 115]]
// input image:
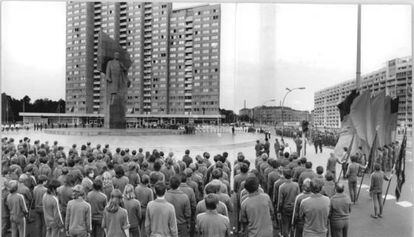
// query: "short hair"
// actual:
[[211, 201], [354, 158], [175, 181], [119, 171], [308, 165], [145, 179], [286, 154], [13, 185], [316, 185], [183, 177], [97, 184], [287, 173], [377, 167], [212, 188], [157, 165], [340, 187], [217, 173], [140, 150], [274, 163], [244, 168], [306, 185], [187, 152], [78, 191], [42, 178], [52, 185], [251, 184], [303, 160], [329, 176], [319, 170], [160, 188]]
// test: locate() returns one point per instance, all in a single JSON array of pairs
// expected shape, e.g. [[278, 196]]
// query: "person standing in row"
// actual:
[[298, 222], [160, 216], [286, 201], [211, 223], [352, 175], [315, 211], [339, 212], [51, 210], [133, 207], [98, 201], [78, 221], [377, 178], [115, 218], [18, 210], [256, 211]]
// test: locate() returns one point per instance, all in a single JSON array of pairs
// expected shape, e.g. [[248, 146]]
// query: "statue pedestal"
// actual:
[[115, 113]]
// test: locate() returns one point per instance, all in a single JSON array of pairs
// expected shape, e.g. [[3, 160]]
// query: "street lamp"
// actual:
[[283, 102]]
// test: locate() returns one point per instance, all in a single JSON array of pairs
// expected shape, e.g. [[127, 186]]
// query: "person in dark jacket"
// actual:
[[51, 210]]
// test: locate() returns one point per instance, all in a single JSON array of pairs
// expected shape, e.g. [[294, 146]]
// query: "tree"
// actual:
[[229, 116]]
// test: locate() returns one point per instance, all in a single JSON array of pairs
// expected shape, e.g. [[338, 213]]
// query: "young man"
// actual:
[[18, 210], [78, 221], [286, 201], [38, 193], [352, 175], [331, 164], [97, 199], [211, 223], [181, 204], [160, 217], [315, 211], [51, 210], [298, 222], [377, 178], [339, 212], [256, 211], [144, 195]]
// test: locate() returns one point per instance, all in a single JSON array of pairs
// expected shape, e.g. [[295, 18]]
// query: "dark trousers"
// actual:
[[142, 224], [339, 228], [134, 232], [39, 223], [298, 230], [344, 169], [97, 230], [183, 230], [286, 230], [316, 147]]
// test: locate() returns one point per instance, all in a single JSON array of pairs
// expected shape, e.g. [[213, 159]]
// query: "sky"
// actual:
[[265, 48]]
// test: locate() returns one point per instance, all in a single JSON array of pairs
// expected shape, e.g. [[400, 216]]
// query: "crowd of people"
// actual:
[[93, 192]]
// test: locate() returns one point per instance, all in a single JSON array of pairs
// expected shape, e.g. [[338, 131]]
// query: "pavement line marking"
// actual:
[[405, 204], [389, 197], [364, 186]]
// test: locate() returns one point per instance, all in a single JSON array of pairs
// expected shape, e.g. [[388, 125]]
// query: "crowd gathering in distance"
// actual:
[[92, 191]]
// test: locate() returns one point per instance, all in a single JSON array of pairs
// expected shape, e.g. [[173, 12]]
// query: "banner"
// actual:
[[400, 167], [361, 117]]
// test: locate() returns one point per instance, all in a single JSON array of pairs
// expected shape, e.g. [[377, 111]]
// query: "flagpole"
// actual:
[[347, 157], [388, 187], [358, 63]]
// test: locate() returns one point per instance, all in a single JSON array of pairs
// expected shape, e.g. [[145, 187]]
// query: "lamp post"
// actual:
[[283, 102]]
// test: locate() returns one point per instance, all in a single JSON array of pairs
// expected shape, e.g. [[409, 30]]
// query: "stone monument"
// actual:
[[117, 84]]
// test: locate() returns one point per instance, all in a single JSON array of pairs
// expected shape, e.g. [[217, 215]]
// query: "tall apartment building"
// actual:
[[175, 53], [395, 78]]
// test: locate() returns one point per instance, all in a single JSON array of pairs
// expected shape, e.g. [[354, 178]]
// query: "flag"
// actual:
[[372, 154], [392, 124], [345, 106], [106, 49], [347, 131], [381, 107], [400, 167], [361, 117]]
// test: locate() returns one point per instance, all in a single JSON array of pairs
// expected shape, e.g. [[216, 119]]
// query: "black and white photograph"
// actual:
[[206, 119]]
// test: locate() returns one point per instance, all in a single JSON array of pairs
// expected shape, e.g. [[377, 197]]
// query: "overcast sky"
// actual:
[[264, 48]]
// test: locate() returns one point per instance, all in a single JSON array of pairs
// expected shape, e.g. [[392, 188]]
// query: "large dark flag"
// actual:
[[347, 131], [106, 49], [372, 154], [400, 167], [392, 124]]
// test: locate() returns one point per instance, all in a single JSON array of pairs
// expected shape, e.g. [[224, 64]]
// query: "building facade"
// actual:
[[272, 115], [175, 54], [395, 78]]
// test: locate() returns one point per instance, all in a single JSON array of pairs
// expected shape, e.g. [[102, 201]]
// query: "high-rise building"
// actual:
[[395, 78], [175, 54], [273, 114]]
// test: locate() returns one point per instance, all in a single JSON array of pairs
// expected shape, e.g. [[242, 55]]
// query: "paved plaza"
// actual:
[[397, 215]]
